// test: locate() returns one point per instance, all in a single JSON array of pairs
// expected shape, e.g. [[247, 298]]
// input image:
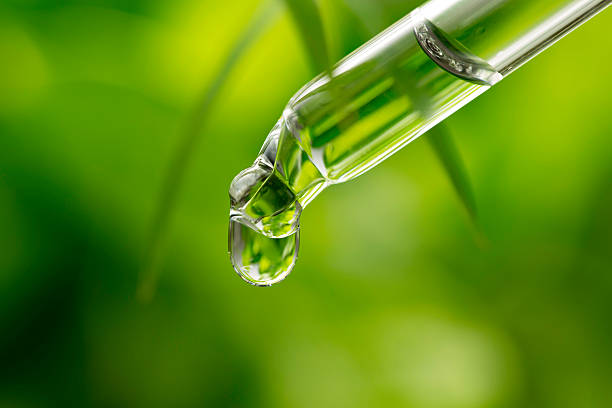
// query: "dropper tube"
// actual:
[[377, 100], [508, 33], [479, 42]]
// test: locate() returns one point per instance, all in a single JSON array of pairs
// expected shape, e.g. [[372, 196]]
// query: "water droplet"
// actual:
[[264, 220], [260, 260]]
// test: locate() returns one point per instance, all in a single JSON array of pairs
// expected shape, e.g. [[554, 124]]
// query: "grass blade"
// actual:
[[307, 18], [347, 30], [446, 150], [179, 163]]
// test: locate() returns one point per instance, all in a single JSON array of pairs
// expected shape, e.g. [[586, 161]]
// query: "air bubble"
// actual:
[[451, 55]]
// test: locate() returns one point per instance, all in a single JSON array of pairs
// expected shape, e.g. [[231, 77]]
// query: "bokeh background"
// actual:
[[393, 302]]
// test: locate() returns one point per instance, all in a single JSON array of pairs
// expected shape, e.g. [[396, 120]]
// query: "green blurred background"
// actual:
[[392, 303]]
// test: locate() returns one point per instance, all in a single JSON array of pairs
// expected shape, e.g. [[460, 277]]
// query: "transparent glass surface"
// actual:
[[377, 100]]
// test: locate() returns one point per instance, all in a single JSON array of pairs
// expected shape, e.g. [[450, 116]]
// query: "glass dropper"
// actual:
[[375, 101]]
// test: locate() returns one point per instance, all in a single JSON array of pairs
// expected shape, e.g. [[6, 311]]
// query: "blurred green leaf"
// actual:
[[187, 146], [347, 31], [446, 150], [307, 18]]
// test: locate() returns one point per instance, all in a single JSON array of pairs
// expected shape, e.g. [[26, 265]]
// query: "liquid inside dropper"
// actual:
[[264, 225], [335, 129]]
